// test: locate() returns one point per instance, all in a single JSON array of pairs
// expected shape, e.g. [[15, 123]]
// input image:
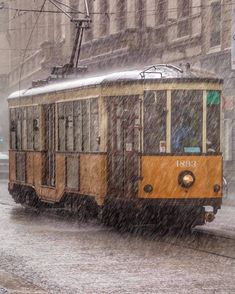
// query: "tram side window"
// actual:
[[213, 121], [36, 126], [13, 139], [18, 129], [29, 128], [24, 128], [94, 125], [61, 126], [78, 123], [155, 121], [77, 126], [85, 125], [186, 129], [69, 126]]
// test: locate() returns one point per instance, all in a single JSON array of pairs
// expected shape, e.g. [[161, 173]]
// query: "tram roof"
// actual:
[[161, 72]]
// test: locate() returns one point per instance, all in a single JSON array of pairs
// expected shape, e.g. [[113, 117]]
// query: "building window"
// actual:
[[183, 12], [183, 28], [140, 13], [161, 12], [160, 35], [183, 8], [215, 24], [104, 18], [121, 14]]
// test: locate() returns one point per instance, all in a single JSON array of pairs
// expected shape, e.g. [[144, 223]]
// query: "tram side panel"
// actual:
[[73, 171]]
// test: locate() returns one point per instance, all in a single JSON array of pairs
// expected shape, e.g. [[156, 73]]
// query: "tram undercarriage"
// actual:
[[125, 214]]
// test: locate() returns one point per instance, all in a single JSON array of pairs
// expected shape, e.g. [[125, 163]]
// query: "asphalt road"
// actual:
[[45, 253]]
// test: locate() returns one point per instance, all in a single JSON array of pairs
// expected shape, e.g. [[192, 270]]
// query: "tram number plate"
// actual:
[[186, 163]]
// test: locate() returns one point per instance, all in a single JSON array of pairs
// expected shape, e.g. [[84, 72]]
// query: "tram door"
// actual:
[[49, 145], [123, 146]]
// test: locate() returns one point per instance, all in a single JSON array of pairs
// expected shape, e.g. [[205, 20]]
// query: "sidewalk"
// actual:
[[224, 223]]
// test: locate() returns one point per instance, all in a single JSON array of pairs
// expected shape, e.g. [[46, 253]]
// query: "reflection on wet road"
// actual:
[[61, 255]]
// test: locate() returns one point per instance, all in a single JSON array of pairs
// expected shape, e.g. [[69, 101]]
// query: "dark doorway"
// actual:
[[123, 146]]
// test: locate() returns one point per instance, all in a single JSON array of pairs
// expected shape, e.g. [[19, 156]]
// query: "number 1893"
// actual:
[[186, 163]]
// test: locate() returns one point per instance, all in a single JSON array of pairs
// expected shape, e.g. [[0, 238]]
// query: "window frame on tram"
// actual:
[[155, 100], [187, 135], [78, 125], [213, 121], [203, 130], [25, 128]]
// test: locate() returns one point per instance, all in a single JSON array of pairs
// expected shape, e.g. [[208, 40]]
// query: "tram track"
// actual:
[[197, 240], [210, 246]]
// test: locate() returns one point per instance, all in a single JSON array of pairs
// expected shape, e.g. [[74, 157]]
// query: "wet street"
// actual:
[[45, 253]]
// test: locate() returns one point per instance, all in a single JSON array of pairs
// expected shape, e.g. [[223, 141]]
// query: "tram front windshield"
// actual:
[[187, 118]]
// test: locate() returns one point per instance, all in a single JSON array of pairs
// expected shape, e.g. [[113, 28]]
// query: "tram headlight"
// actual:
[[186, 179]]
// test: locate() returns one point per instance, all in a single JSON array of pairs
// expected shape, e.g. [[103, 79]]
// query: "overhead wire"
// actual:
[[67, 6], [107, 13], [173, 9], [29, 40]]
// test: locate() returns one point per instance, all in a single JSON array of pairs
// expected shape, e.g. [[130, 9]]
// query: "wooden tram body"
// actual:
[[106, 143]]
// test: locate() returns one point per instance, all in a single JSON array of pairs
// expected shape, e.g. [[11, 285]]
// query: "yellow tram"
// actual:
[[135, 146]]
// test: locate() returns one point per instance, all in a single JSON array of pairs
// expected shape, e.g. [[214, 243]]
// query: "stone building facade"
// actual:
[[126, 34]]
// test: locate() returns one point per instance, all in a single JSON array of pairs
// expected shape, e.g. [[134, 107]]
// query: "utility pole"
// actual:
[[233, 38]]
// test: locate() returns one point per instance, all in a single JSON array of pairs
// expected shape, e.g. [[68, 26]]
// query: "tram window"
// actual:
[[36, 127], [213, 121], [30, 128], [154, 121], [69, 126], [77, 112], [18, 128], [94, 125], [13, 129], [61, 126], [137, 124], [118, 140], [186, 130], [78, 126], [24, 128], [85, 125]]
